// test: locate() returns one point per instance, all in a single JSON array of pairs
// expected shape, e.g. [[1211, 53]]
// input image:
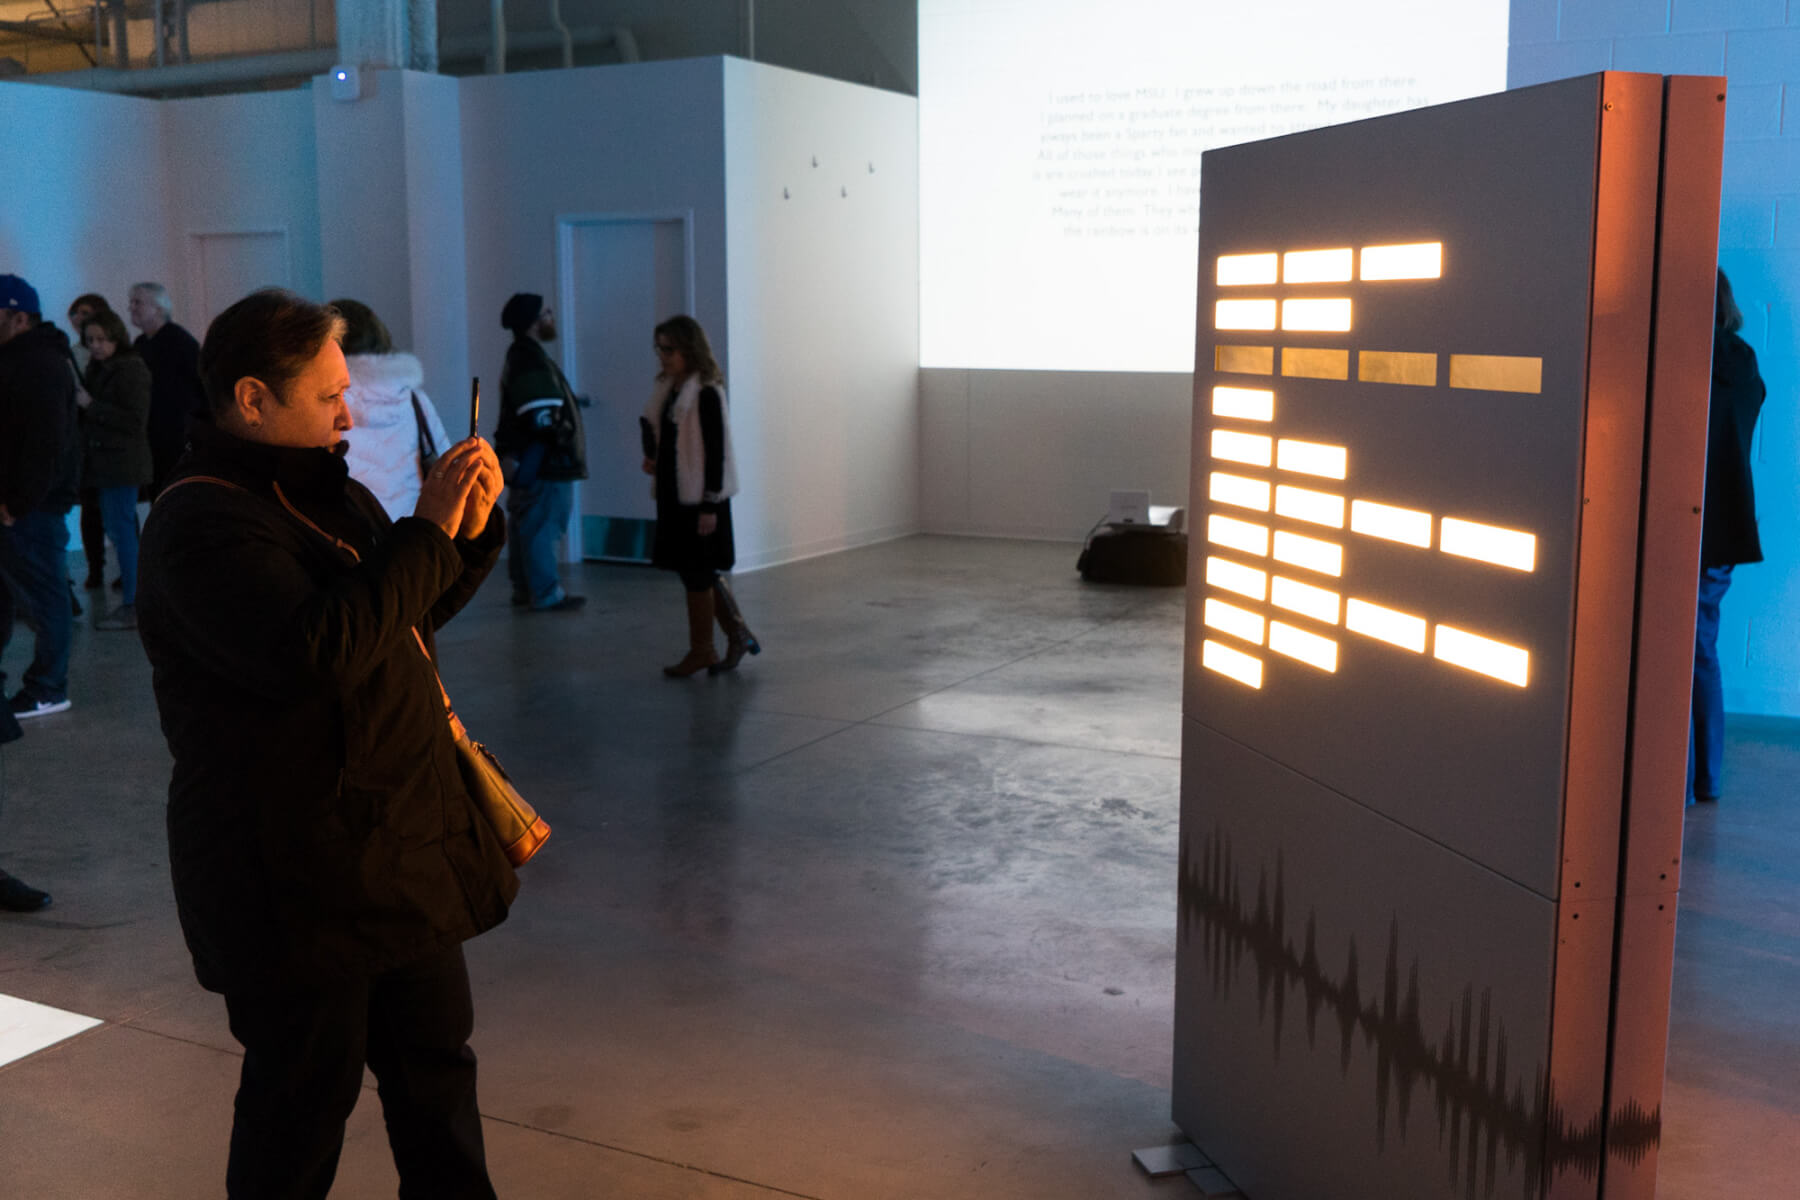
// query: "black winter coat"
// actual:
[[40, 445], [1728, 533], [318, 824]]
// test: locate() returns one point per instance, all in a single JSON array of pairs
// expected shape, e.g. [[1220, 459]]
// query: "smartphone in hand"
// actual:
[[475, 406]]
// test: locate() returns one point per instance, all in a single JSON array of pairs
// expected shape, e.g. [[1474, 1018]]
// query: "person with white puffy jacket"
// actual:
[[395, 429]]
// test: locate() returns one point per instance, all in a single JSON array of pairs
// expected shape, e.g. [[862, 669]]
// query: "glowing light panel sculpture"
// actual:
[[1434, 698]]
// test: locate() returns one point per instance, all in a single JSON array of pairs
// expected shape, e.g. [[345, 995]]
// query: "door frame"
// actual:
[[567, 224]]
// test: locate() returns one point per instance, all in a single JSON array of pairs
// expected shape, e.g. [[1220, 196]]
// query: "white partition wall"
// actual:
[[1430, 809]]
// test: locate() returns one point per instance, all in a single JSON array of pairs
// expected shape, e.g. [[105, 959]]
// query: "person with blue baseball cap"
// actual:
[[40, 467]]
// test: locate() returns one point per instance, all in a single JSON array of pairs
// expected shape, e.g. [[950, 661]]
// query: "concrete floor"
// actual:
[[889, 913]]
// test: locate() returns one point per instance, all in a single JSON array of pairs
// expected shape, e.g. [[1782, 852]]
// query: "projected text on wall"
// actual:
[[1286, 515]]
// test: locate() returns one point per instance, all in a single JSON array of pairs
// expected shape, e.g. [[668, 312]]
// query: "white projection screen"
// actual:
[[1060, 143]]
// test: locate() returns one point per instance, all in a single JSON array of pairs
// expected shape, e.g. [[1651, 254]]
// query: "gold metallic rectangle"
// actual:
[[1397, 366], [1244, 360], [1234, 664], [1309, 648], [1305, 363], [1496, 373]]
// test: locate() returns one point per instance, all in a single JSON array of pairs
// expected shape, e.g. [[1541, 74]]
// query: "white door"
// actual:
[[226, 267], [622, 275]]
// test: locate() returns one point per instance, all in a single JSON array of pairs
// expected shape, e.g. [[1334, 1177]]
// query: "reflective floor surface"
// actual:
[[887, 913]]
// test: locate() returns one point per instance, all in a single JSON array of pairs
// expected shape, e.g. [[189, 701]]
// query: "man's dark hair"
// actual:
[[269, 335], [364, 332], [1726, 314]]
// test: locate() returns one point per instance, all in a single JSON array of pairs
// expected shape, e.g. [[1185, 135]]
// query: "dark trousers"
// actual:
[[303, 1068], [34, 568], [1706, 743]]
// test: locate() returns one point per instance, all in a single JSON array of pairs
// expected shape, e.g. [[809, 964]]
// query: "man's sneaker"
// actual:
[[26, 706], [122, 617]]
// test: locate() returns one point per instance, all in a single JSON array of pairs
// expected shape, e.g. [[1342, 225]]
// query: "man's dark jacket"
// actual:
[[540, 418], [176, 398], [40, 448], [1728, 533], [318, 823]]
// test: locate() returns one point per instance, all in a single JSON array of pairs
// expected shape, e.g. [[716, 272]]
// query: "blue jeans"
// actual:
[[34, 565], [118, 512], [536, 514], [1706, 745]]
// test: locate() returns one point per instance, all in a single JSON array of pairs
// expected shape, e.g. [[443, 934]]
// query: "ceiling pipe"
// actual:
[[247, 69], [568, 42], [497, 36], [466, 47]]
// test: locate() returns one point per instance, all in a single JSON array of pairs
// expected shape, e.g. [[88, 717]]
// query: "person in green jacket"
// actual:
[[115, 452]]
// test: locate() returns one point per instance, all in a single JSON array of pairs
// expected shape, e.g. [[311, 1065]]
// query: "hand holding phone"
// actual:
[[475, 406]]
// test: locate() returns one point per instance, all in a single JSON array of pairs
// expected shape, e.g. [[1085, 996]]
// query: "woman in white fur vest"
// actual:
[[395, 430], [687, 450]]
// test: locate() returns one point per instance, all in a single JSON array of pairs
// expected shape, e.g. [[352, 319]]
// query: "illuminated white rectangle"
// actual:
[[1407, 525], [1235, 489], [1304, 504], [1235, 664], [1327, 558], [1315, 316], [1309, 648], [1385, 624], [1309, 601], [1235, 577], [1316, 266], [1238, 535], [1241, 270], [1252, 449], [1312, 458], [1240, 623], [1244, 404], [1488, 543], [1244, 314], [1471, 651], [27, 1027], [1417, 260]]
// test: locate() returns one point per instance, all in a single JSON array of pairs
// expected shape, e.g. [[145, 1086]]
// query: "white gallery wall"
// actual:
[[823, 274], [1755, 44], [86, 206]]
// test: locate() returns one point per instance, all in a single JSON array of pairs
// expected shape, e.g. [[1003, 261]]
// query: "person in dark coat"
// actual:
[[687, 449], [1728, 534], [173, 357], [93, 526], [539, 438], [328, 862], [115, 461]]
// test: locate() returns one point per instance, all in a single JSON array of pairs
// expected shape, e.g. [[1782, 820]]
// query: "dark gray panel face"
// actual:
[[1506, 185], [1360, 1013]]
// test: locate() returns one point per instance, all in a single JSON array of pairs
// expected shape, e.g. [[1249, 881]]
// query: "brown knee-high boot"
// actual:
[[739, 641], [701, 653]]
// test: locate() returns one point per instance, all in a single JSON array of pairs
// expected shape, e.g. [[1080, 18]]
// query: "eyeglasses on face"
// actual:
[[664, 349]]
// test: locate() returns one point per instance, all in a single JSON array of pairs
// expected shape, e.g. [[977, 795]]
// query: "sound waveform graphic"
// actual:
[[1483, 1112]]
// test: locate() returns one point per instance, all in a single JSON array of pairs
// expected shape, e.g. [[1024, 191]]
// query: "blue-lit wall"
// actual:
[[1755, 44]]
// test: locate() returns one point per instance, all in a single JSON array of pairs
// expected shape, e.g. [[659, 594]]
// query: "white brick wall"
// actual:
[[1756, 45]]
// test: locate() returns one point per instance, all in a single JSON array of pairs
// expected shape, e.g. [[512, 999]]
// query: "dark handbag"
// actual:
[[428, 453], [515, 822]]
